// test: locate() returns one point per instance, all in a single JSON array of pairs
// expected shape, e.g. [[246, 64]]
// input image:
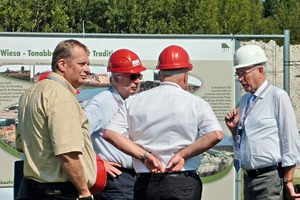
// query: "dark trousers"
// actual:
[[32, 190], [179, 186], [18, 176], [265, 186], [119, 188], [26, 189]]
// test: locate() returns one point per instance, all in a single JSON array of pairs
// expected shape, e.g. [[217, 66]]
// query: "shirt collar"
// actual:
[[261, 88], [113, 90], [169, 83], [60, 79]]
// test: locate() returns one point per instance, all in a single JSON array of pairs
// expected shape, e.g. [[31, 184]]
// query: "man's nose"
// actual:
[[87, 68]]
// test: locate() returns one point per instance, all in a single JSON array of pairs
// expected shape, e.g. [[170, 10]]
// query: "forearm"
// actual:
[[124, 144], [72, 167], [288, 173], [233, 132], [201, 145]]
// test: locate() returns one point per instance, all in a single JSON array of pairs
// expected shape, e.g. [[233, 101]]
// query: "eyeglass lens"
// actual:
[[133, 77], [244, 73]]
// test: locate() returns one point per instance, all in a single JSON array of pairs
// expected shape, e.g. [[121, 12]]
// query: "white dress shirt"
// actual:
[[164, 120], [271, 133]]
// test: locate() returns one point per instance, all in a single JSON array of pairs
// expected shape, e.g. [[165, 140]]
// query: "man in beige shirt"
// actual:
[[53, 130]]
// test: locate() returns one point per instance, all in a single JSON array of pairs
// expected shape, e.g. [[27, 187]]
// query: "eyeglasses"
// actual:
[[244, 73], [134, 77]]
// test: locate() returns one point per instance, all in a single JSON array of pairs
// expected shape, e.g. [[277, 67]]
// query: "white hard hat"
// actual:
[[248, 56]]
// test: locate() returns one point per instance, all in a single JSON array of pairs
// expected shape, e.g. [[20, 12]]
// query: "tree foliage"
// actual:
[[152, 16]]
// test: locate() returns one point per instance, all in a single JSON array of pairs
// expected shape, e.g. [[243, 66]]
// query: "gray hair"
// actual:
[[169, 73]]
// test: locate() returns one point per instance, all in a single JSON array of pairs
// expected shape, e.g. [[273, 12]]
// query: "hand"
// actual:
[[232, 119], [111, 168], [153, 164], [176, 163], [290, 192]]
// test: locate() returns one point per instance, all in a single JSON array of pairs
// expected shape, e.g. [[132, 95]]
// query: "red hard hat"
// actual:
[[174, 57], [125, 61]]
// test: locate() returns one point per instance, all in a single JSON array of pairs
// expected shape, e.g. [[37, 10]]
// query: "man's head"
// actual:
[[71, 60], [126, 68], [174, 64], [249, 66]]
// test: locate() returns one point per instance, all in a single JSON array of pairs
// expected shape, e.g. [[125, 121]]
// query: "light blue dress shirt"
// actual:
[[99, 110], [271, 133]]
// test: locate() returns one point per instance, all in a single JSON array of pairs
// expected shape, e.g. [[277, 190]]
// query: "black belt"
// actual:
[[169, 174], [256, 172], [127, 170], [59, 188]]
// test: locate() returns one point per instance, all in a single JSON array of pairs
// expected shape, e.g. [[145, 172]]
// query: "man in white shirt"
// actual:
[[265, 132], [167, 129]]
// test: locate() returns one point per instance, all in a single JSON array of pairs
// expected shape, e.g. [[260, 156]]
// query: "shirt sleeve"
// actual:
[[118, 123], [94, 113], [208, 121], [288, 131]]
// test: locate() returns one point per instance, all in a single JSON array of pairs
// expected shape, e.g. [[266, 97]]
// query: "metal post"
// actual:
[[286, 61], [238, 175]]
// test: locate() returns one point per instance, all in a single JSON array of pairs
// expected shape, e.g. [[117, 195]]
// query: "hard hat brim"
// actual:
[[127, 71], [248, 65]]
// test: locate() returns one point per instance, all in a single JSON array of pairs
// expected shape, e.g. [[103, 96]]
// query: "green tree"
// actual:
[[14, 16], [240, 17], [270, 7], [76, 15], [33, 16], [152, 16], [207, 17], [287, 17], [49, 16]]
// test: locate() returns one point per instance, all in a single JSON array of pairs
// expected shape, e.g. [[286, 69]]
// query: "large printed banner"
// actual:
[[24, 59]]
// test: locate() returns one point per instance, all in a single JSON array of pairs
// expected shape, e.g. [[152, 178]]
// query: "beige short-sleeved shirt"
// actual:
[[51, 122]]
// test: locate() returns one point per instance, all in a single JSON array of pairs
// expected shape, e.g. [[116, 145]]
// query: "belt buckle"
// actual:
[[53, 192], [254, 172], [257, 172]]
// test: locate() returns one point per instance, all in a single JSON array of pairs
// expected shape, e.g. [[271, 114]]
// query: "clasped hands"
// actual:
[[175, 164]]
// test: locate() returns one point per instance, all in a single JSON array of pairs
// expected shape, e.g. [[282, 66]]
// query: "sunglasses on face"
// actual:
[[134, 77]]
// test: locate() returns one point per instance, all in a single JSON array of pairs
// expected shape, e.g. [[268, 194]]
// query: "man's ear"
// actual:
[[261, 69], [186, 78], [160, 76], [61, 65], [115, 78]]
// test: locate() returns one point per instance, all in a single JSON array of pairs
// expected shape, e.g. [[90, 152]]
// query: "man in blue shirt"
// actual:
[[125, 67]]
